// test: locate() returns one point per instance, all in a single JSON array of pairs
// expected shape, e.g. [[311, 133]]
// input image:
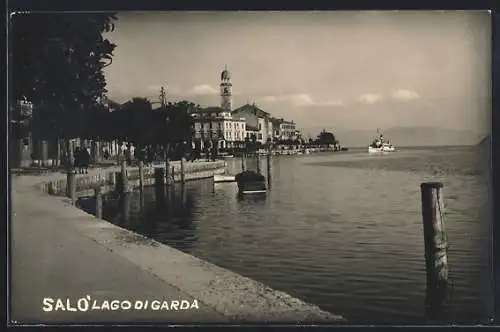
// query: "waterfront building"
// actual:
[[258, 122], [215, 126], [26, 145], [222, 127], [284, 130]]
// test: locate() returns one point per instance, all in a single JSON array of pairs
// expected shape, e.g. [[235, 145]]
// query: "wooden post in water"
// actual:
[[436, 244], [124, 175], [126, 202], [71, 186], [98, 202], [183, 197], [269, 169], [141, 175], [183, 178], [112, 179], [159, 185], [167, 172], [243, 162], [118, 182], [258, 162]]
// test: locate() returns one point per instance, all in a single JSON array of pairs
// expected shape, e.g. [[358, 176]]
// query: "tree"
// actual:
[[326, 138], [68, 84], [135, 120]]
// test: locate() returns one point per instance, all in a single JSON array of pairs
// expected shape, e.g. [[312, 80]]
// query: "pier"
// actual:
[[59, 251]]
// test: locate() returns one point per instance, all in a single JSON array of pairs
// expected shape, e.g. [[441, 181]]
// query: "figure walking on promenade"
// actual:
[[76, 161], [84, 160]]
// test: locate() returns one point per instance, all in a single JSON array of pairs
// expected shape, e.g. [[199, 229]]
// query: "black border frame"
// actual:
[[117, 5]]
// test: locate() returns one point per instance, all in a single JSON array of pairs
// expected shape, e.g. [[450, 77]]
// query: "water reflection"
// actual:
[[251, 199], [436, 303]]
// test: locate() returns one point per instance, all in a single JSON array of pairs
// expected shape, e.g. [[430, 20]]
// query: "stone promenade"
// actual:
[[60, 252]]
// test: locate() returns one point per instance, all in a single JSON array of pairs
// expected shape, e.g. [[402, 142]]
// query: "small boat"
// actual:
[[380, 145], [250, 182], [218, 178], [228, 156]]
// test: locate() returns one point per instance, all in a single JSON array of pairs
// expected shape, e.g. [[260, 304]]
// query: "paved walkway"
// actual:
[[51, 258], [59, 251]]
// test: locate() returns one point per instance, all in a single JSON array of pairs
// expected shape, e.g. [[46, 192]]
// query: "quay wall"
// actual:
[[240, 299], [104, 178]]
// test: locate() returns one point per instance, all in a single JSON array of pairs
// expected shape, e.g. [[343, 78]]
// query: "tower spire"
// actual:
[[225, 89]]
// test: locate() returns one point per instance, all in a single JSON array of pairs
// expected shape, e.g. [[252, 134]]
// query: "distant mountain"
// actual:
[[409, 136], [485, 141]]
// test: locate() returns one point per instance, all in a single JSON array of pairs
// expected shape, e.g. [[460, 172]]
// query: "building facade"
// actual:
[[222, 127], [284, 130], [215, 126], [258, 122]]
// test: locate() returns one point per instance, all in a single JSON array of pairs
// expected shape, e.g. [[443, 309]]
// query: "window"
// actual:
[[260, 127], [259, 136]]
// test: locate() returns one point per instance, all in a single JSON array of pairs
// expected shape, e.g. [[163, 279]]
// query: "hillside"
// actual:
[[485, 141]]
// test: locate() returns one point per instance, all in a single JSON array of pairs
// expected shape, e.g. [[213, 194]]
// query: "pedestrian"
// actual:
[[76, 161], [84, 160], [106, 154], [132, 152], [128, 153]]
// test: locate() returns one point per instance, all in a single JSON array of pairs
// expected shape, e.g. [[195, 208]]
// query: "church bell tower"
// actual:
[[226, 90]]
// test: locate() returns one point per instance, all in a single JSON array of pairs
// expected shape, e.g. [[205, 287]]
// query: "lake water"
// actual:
[[341, 230]]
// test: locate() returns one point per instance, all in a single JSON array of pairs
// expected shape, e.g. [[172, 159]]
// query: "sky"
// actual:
[[336, 70]]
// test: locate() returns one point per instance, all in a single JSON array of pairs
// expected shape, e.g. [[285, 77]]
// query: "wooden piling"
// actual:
[[98, 202], [159, 184], [112, 179], [119, 185], [71, 186], [167, 172], [183, 178], [269, 169], [183, 197], [243, 162], [127, 192], [124, 175], [435, 240], [258, 162], [141, 175]]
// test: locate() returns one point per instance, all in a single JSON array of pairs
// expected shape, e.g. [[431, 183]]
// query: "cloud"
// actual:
[[370, 98], [269, 99], [300, 100], [154, 87], [403, 94], [204, 89]]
